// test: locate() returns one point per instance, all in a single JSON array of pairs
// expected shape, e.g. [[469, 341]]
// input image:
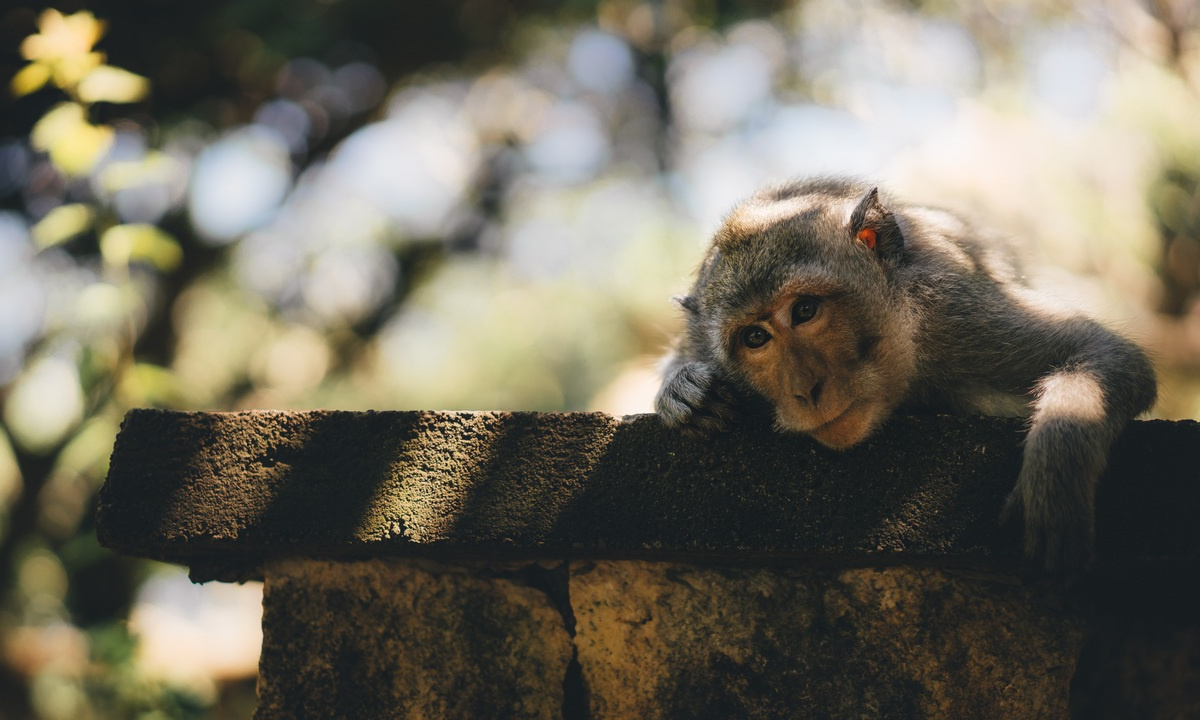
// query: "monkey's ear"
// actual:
[[688, 302], [873, 225]]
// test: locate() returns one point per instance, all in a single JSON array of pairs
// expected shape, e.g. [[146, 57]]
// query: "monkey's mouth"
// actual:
[[846, 428], [802, 417], [830, 423], [845, 411]]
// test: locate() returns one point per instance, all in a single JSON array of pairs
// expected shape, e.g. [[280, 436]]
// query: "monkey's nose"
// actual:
[[813, 396]]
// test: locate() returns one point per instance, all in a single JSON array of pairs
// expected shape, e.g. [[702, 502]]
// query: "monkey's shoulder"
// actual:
[[941, 241]]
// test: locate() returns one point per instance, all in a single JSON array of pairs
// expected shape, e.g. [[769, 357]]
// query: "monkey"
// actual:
[[834, 307]]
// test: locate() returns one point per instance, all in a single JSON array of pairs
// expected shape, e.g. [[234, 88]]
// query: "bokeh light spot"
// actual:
[[238, 183], [44, 404]]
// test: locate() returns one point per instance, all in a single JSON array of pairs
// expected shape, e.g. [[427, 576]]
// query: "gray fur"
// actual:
[[978, 336]]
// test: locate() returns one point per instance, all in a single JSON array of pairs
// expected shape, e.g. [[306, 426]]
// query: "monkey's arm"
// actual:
[[1084, 383]]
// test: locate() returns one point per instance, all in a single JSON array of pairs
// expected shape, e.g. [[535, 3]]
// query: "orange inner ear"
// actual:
[[867, 237]]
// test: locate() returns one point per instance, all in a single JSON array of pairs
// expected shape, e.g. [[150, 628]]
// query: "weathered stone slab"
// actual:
[[210, 488], [662, 640], [407, 639], [750, 575]]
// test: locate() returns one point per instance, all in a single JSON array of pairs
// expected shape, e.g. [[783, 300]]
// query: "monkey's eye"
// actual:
[[755, 337], [805, 309]]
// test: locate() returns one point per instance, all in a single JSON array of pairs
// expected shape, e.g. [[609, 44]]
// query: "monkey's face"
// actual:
[[795, 300], [825, 362]]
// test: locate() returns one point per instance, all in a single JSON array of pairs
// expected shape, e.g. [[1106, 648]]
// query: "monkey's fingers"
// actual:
[[693, 419], [678, 404], [1056, 548], [715, 414], [694, 400], [702, 425]]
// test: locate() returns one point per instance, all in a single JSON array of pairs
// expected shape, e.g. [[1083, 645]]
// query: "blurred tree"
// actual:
[[117, 267]]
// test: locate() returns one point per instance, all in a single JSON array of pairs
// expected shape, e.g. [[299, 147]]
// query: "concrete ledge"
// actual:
[[229, 489]]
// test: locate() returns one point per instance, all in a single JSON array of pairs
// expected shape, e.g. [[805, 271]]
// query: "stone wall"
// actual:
[[495, 565]]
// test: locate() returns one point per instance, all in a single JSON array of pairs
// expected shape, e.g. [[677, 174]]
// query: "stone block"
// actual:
[[662, 640], [407, 639]]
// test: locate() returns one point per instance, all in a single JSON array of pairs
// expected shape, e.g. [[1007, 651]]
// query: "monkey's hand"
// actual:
[[694, 398], [1065, 453], [1054, 499]]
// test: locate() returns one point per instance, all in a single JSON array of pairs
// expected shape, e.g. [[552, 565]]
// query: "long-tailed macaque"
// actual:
[[840, 307]]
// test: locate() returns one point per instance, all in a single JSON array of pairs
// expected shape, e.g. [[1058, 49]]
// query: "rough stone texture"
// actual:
[[234, 487], [1140, 665], [660, 640], [747, 575], [406, 639]]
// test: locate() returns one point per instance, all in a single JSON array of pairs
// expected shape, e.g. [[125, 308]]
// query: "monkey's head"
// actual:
[[795, 301]]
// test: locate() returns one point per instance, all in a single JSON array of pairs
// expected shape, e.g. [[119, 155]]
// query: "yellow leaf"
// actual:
[[69, 71], [62, 36], [123, 244], [62, 223], [78, 152], [58, 121], [30, 79], [111, 84], [64, 44], [74, 144], [153, 167]]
